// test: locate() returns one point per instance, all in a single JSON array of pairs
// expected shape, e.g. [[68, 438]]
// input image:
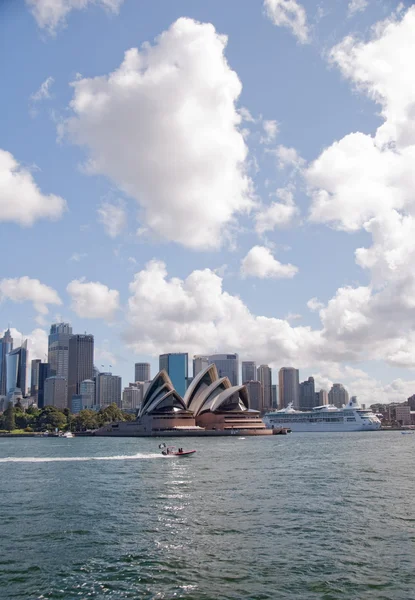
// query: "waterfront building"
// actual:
[[289, 387], [80, 362], [34, 378], [199, 364], [132, 398], [338, 395], [43, 375], [16, 370], [403, 414], [227, 365], [249, 371], [58, 349], [265, 377], [6, 346], [142, 372], [256, 395], [274, 392], [55, 392], [307, 394], [176, 366], [107, 390], [322, 398]]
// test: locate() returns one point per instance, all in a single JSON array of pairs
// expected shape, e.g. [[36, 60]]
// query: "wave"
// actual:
[[36, 459]]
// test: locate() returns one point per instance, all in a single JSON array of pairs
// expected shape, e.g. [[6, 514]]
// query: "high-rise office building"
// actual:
[[43, 375], [34, 378], [80, 362], [107, 390], [265, 377], [87, 393], [132, 398], [58, 349], [307, 394], [248, 371], [6, 346], [289, 387], [274, 392], [176, 365], [338, 395], [199, 364], [16, 370], [322, 398], [227, 365], [142, 372], [55, 392], [256, 395]]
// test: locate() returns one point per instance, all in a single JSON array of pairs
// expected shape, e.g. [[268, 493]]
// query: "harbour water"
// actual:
[[303, 516]]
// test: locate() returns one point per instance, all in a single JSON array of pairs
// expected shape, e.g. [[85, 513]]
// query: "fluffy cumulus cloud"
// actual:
[[171, 314], [37, 342], [356, 6], [270, 131], [259, 262], [367, 182], [93, 300], [290, 14], [25, 289], [50, 14], [113, 217], [276, 214], [21, 201], [164, 127]]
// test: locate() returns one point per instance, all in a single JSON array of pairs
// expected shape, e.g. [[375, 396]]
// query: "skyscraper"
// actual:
[[58, 349], [55, 392], [80, 362], [43, 375], [176, 365], [142, 372], [265, 377], [34, 378], [307, 394], [16, 368], [338, 395], [227, 365], [289, 387], [248, 371], [6, 346], [256, 395], [199, 364], [87, 393], [107, 390], [274, 392]]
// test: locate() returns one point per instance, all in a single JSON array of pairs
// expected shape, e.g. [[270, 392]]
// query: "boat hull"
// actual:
[[322, 427], [185, 453]]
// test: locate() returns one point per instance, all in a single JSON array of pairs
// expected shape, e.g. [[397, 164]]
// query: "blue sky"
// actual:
[[213, 163]]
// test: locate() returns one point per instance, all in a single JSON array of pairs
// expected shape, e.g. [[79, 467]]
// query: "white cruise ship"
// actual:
[[324, 418]]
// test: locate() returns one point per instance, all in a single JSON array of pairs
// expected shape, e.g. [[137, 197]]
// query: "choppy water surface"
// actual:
[[302, 516]]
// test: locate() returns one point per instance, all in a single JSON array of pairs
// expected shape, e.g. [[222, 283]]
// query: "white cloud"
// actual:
[[50, 14], [277, 214], [43, 92], [164, 127], [21, 201], [93, 300], [314, 304], [259, 262], [169, 314], [113, 217], [77, 256], [37, 342], [24, 289], [356, 6], [271, 131], [290, 14], [288, 157]]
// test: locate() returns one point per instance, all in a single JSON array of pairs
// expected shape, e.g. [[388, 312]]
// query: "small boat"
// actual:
[[173, 451], [68, 434], [407, 432]]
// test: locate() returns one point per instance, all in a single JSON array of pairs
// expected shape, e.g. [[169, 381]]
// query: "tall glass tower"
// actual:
[[176, 365], [58, 349], [227, 366], [80, 363], [6, 346], [16, 369]]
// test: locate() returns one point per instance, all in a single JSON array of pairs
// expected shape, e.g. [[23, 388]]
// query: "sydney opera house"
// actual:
[[210, 406]]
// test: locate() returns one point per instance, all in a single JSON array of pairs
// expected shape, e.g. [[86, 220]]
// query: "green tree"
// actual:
[[9, 422], [51, 417], [86, 419], [19, 406], [110, 414], [21, 419]]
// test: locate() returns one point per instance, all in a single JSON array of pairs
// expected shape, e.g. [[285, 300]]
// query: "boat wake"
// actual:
[[35, 459]]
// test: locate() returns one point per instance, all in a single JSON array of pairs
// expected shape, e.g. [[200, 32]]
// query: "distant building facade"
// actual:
[[34, 378], [289, 387], [227, 365], [255, 394], [132, 398], [307, 394], [176, 365], [55, 392], [142, 372], [249, 371], [265, 377], [107, 390], [322, 398], [274, 392], [199, 364], [16, 370], [43, 375], [338, 395], [58, 349], [6, 346], [80, 362]]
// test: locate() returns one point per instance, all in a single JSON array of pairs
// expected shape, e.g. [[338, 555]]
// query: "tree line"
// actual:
[[49, 418]]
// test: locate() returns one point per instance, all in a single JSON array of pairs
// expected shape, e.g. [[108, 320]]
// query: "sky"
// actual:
[[201, 177]]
